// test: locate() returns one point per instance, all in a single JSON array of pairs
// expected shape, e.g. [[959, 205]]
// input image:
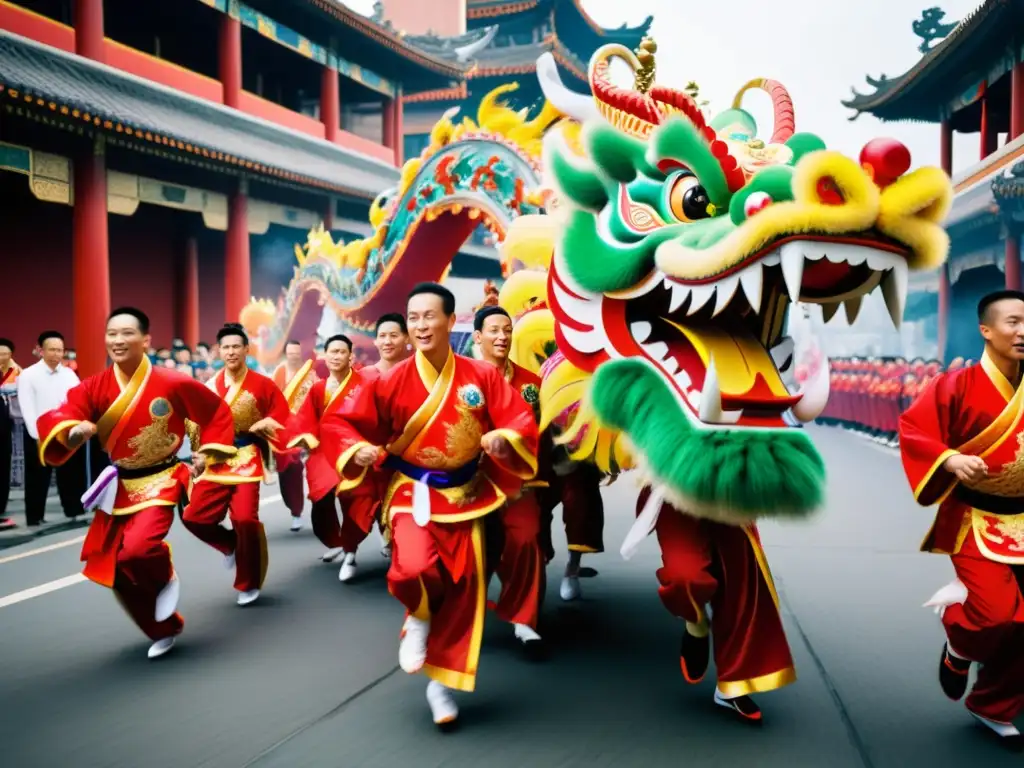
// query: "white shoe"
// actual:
[[244, 598], [160, 647], [526, 634], [296, 524], [167, 600], [332, 554], [385, 551], [570, 588], [348, 567], [442, 705], [1003, 730], [412, 651], [229, 562]]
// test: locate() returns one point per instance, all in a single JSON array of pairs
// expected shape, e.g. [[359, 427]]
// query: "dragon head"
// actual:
[[681, 242]]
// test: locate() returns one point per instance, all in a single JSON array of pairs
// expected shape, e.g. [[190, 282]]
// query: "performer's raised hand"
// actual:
[[198, 464], [496, 446], [80, 433], [366, 456], [266, 428], [967, 469]]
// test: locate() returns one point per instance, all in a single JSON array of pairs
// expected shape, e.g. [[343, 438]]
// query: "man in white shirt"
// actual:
[[41, 388]]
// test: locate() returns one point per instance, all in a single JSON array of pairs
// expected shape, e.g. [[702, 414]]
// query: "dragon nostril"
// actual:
[[829, 192], [756, 201], [885, 160]]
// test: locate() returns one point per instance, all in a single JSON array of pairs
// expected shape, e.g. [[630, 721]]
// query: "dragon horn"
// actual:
[[568, 102], [785, 121]]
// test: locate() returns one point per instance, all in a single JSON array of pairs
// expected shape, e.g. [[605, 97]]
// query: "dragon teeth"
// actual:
[[679, 294], [793, 268], [641, 331], [894, 291], [657, 351], [724, 291], [828, 311], [700, 295], [852, 309], [750, 281]]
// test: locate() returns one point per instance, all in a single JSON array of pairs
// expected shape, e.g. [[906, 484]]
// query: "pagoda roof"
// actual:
[[147, 116], [497, 61], [566, 12], [460, 48], [971, 48]]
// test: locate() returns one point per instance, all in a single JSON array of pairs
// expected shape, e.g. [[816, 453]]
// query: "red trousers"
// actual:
[[359, 512], [438, 573], [706, 563], [128, 553], [579, 493], [289, 474], [989, 628], [210, 503], [514, 536]]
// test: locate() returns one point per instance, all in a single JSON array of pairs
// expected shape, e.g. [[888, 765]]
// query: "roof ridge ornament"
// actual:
[[930, 28]]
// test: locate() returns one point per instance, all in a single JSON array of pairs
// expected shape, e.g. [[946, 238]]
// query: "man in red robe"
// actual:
[[360, 504], [961, 444], [294, 377], [259, 411], [139, 412], [517, 525], [436, 414]]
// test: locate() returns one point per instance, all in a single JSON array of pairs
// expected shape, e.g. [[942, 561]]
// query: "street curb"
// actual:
[[21, 536]]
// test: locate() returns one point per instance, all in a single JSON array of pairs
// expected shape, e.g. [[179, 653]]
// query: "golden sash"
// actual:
[[293, 386], [112, 423], [438, 387], [338, 390]]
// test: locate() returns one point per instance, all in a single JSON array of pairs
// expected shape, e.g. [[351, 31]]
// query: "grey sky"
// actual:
[[816, 48]]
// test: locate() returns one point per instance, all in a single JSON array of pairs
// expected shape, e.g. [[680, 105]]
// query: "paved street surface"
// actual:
[[308, 677]]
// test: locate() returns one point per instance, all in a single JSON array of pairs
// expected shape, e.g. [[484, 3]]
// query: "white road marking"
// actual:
[[41, 550], [42, 589], [67, 581]]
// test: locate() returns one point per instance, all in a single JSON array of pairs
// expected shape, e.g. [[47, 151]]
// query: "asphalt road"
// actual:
[[308, 676]]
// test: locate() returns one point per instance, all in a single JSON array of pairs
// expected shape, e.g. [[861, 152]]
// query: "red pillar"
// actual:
[[89, 29], [987, 146], [399, 128], [1012, 259], [230, 59], [946, 158], [388, 138], [1016, 101], [90, 268], [188, 295], [330, 103], [237, 291], [329, 214]]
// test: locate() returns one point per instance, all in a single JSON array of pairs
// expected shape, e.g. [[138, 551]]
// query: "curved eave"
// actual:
[[528, 63], [624, 35], [974, 26], [490, 11], [388, 38]]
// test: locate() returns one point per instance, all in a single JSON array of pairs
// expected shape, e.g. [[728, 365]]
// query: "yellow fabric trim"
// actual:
[[999, 381], [466, 681], [234, 389], [340, 388], [931, 473], [978, 525], [422, 611], [227, 450], [59, 432], [229, 479], [296, 381], [305, 439], [516, 441], [109, 420], [762, 563], [399, 480], [1003, 425], [119, 511], [762, 684], [420, 422], [583, 548], [346, 483]]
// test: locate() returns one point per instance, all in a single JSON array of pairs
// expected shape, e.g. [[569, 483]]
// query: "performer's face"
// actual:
[[126, 343], [1003, 328], [429, 326], [338, 357], [293, 354], [391, 342], [5, 356], [233, 351], [495, 337]]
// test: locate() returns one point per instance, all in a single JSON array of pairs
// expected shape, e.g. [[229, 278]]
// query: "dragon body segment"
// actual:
[[673, 247]]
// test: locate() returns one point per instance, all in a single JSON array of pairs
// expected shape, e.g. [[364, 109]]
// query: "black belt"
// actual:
[[986, 502], [135, 474]]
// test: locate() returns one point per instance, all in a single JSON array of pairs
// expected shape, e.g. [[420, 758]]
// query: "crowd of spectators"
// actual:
[[867, 395]]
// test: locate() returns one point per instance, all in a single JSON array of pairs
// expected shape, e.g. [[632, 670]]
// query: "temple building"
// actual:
[[970, 79], [169, 155], [499, 41]]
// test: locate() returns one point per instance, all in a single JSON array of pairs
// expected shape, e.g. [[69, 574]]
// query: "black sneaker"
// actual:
[[953, 675], [743, 706], [693, 656]]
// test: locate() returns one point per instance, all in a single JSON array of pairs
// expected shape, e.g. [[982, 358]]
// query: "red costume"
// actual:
[[432, 424], [289, 465], [520, 567], [359, 504], [234, 486], [976, 411], [724, 566], [140, 422]]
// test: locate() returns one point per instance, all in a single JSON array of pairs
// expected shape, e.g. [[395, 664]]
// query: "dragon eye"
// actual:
[[688, 200]]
